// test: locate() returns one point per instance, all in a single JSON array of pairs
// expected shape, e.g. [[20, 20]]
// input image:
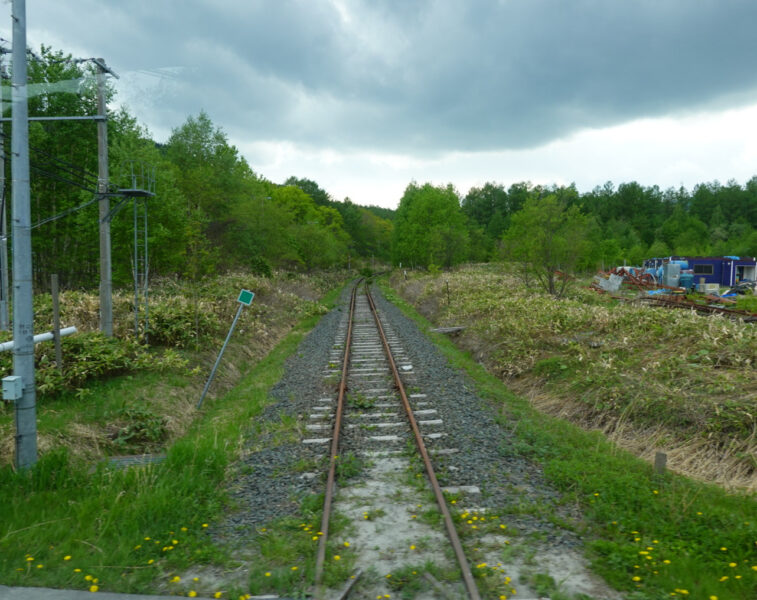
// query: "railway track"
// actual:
[[375, 421]]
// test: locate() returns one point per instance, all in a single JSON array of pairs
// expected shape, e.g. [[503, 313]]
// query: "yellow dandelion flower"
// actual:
[[137, 547], [412, 546], [315, 537], [388, 575], [174, 542], [295, 567], [77, 570], [713, 598], [453, 502], [192, 594], [502, 597], [666, 561], [195, 579], [147, 539], [346, 544], [88, 578], [217, 594], [183, 528], [176, 579], [67, 557], [732, 564], [655, 492], [204, 525], [337, 557], [29, 558], [149, 562], [267, 573], [635, 578], [723, 548], [503, 526], [93, 588], [723, 578]]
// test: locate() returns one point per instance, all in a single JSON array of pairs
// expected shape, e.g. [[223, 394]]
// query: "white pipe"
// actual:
[[41, 337]]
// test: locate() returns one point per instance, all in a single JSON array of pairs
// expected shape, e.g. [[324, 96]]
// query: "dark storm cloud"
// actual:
[[430, 75]]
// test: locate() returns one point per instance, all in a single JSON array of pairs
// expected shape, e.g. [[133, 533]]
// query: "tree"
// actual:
[[429, 227], [548, 239]]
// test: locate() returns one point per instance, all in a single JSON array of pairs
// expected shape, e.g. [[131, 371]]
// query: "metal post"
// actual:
[[106, 283], [56, 321], [220, 354], [146, 271], [23, 315], [136, 273], [4, 275]]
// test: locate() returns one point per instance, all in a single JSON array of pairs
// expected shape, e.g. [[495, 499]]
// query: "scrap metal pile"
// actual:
[[610, 282]]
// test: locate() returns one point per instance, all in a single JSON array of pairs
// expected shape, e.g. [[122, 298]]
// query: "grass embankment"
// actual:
[[116, 396], [650, 378], [654, 536], [74, 522]]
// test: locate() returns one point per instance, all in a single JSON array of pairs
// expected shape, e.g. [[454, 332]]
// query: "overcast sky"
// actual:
[[364, 96]]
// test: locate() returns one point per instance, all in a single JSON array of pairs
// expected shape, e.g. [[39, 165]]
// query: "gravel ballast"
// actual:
[[271, 479]]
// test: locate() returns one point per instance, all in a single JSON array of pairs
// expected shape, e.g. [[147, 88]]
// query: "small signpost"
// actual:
[[245, 299]]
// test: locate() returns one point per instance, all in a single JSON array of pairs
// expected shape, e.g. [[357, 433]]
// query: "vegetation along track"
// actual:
[[399, 513]]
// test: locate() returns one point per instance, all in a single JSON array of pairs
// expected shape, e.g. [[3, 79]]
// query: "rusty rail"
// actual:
[[470, 584], [334, 452]]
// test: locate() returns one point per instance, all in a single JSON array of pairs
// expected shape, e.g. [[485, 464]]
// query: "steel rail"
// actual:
[[470, 584], [334, 453]]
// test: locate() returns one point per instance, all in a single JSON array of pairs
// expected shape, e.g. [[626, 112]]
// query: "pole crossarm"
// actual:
[[77, 118]]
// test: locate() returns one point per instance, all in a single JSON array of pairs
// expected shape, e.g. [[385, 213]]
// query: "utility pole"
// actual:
[[106, 281], [4, 320], [23, 314]]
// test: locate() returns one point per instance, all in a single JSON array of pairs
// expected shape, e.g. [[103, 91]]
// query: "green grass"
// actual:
[[708, 536], [65, 524]]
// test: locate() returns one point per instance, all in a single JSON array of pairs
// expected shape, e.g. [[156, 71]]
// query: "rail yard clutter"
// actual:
[[713, 285]]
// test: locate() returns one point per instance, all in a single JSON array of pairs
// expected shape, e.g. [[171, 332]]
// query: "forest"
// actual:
[[213, 213]]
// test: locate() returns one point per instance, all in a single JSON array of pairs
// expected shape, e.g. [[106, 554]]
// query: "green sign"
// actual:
[[245, 297]]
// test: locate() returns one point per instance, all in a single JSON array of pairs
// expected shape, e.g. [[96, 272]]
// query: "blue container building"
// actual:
[[723, 270]]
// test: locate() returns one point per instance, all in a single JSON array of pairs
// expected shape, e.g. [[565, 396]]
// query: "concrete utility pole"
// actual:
[[106, 280], [4, 320], [23, 315]]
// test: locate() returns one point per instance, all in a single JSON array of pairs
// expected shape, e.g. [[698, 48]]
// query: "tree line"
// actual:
[[211, 211], [435, 225]]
